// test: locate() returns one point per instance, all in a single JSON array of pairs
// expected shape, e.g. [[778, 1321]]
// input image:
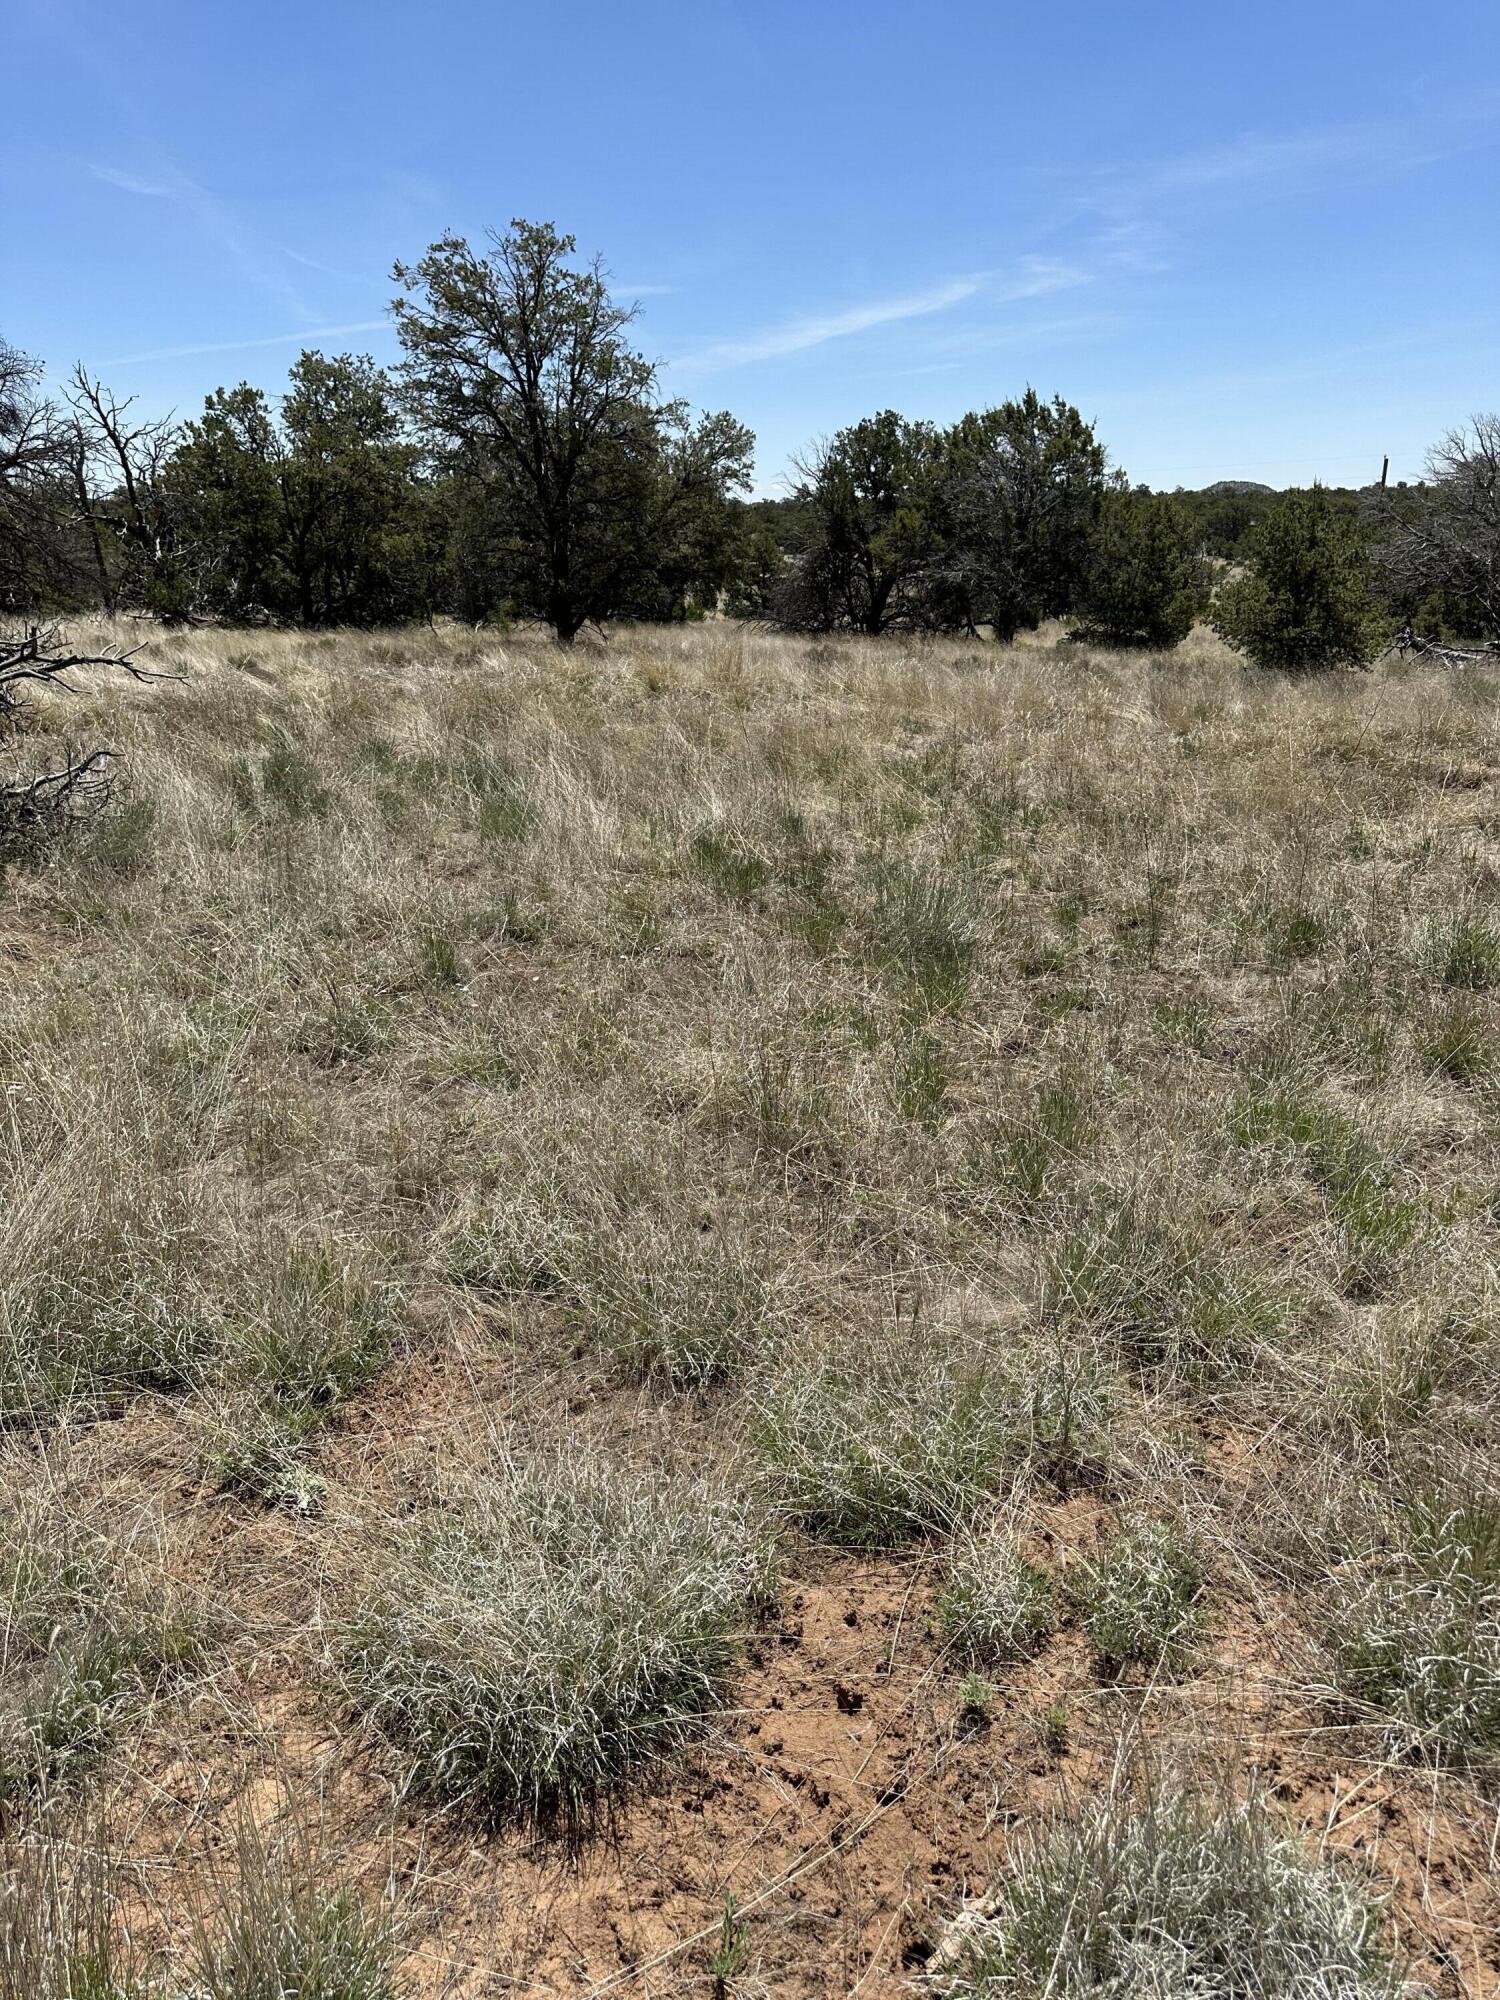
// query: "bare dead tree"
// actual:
[[35, 809], [117, 466], [39, 657], [1408, 641], [1443, 539], [33, 447]]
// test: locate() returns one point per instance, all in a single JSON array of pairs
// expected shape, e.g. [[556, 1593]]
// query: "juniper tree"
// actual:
[[604, 501]]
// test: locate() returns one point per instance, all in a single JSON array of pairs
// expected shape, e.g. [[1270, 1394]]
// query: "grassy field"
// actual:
[[670, 1311]]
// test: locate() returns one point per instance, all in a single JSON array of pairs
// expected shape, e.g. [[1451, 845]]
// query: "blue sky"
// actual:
[[1258, 242]]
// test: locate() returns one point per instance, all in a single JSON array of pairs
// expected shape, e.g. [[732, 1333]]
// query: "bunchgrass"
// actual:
[[1140, 1598], [645, 1278], [1166, 1897], [1413, 1627], [997, 1604], [91, 1630], [281, 1925], [927, 929], [550, 1630], [1133, 1272], [868, 1437], [61, 1935]]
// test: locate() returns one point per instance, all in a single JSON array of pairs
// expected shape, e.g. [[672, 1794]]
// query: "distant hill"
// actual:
[[1237, 486]]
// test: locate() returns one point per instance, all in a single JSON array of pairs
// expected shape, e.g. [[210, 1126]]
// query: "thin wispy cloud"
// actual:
[[797, 336], [135, 183], [1038, 277], [261, 263], [323, 269], [305, 336], [1264, 163]]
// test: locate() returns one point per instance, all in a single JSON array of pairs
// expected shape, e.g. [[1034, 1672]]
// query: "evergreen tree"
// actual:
[[600, 500], [1143, 580], [1302, 602]]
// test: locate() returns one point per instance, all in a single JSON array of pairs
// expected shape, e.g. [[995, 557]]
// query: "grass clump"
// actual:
[[1457, 1040], [1414, 1631], [89, 1630], [320, 1329], [60, 1935], [724, 856], [278, 1927], [553, 1629], [1376, 1226], [1131, 1272], [869, 1440], [1140, 1598], [1068, 1406], [997, 1605], [671, 1301], [1169, 1898], [656, 1282], [78, 1325], [1465, 951], [1031, 1154], [926, 928], [270, 1926], [504, 806]]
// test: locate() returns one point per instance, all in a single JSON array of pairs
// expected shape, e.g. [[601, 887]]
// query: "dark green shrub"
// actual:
[[1143, 581], [1302, 602]]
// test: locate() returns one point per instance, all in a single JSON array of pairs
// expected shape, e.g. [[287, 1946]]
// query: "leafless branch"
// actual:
[[39, 655], [1408, 641], [34, 810]]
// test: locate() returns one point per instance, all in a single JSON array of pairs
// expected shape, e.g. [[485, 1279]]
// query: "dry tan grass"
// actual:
[[452, 1049]]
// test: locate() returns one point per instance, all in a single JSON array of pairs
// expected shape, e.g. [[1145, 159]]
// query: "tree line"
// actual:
[[522, 462]]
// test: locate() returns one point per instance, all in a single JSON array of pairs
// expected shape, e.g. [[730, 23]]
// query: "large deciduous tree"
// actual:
[[592, 497]]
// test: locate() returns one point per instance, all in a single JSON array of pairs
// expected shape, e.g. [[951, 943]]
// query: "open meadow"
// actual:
[[672, 1308]]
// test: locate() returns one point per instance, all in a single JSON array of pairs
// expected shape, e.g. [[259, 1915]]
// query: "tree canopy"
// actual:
[[596, 498]]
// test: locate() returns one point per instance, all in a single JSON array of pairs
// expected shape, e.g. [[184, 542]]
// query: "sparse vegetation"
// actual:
[[1000, 1142]]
